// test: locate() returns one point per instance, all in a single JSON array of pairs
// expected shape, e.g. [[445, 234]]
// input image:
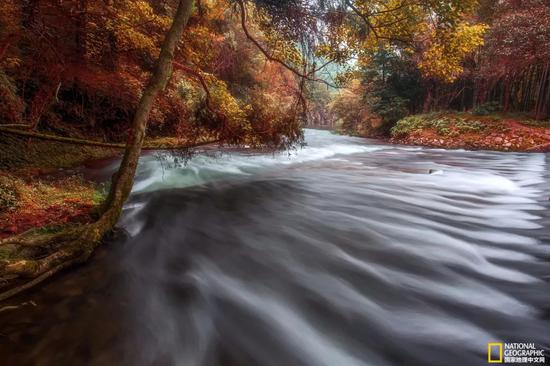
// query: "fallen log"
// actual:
[[75, 141]]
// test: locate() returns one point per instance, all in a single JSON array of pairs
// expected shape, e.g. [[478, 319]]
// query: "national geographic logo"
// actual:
[[515, 353], [494, 352]]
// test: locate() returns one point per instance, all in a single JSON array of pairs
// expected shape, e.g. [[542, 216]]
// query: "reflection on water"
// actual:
[[344, 253]]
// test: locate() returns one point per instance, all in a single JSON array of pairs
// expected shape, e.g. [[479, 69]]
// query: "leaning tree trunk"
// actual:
[[123, 180], [50, 253]]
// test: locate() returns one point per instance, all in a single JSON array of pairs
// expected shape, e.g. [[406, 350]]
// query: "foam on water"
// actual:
[[368, 234], [154, 175]]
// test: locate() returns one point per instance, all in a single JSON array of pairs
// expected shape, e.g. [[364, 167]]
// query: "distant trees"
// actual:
[[78, 66], [509, 73], [486, 57], [405, 50], [515, 68]]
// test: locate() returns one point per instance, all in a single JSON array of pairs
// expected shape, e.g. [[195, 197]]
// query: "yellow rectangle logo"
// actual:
[[494, 352]]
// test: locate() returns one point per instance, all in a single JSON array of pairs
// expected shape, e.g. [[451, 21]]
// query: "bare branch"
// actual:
[[374, 29], [308, 76], [198, 76]]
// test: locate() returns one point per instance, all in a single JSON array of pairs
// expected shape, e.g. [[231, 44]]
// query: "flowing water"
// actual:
[[348, 252]]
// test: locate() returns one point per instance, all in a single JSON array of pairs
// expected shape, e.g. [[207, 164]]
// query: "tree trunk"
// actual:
[[123, 180], [506, 96], [6, 45], [474, 94], [539, 104], [81, 37], [428, 99], [76, 244], [41, 102], [29, 9]]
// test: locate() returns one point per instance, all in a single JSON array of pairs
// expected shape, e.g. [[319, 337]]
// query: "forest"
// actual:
[[77, 68], [91, 90]]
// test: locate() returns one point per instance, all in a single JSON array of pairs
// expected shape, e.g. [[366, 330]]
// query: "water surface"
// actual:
[[347, 252]]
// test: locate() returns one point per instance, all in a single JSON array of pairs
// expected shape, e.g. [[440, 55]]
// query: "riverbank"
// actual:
[[39, 189], [46, 202], [468, 131]]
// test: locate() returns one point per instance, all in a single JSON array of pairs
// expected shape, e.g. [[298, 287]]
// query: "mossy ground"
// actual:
[[36, 189], [36, 193], [46, 202]]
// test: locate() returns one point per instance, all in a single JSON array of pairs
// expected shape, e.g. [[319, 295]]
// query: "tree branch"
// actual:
[[365, 17], [270, 57], [373, 29], [198, 76]]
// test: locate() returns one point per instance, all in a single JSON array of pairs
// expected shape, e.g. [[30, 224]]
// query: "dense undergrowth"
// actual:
[[38, 188], [444, 124], [47, 202]]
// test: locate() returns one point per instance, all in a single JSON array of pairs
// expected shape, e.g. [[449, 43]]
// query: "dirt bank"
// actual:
[[467, 131]]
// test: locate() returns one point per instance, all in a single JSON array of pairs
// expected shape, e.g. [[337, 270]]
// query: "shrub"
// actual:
[[535, 123], [409, 125], [8, 193], [486, 109], [444, 125], [11, 105], [465, 126], [391, 109]]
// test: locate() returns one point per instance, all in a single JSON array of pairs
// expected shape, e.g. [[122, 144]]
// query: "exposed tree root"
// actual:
[[47, 254], [31, 238], [27, 285]]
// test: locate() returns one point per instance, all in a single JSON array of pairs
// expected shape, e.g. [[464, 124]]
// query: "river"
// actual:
[[347, 252]]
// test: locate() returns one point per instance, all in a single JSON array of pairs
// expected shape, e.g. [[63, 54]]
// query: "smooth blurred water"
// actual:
[[346, 252]]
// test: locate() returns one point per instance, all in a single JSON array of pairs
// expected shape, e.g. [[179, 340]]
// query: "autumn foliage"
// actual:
[[485, 57], [78, 67]]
